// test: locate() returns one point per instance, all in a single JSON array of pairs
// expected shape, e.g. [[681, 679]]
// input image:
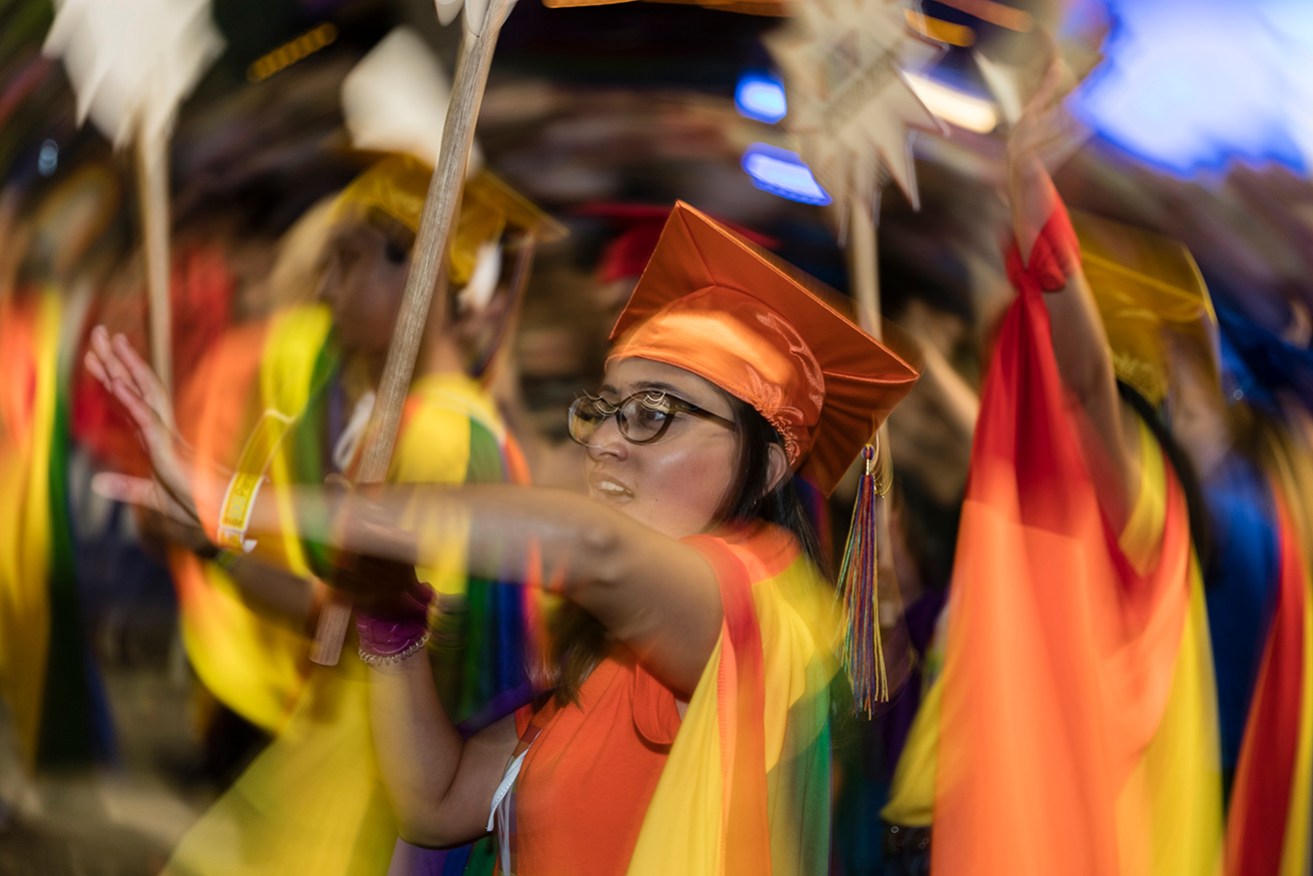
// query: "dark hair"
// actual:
[[748, 500], [577, 640]]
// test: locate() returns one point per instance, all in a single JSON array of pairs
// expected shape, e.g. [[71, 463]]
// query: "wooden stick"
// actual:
[[863, 265], [153, 192], [440, 209]]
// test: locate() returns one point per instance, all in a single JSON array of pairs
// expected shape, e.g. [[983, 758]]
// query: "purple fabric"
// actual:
[[411, 860]]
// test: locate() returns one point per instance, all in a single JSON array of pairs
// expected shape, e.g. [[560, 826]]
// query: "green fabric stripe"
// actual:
[[309, 455], [67, 722]]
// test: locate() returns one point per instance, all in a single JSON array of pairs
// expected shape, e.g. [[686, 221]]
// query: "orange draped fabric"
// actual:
[[1061, 654]]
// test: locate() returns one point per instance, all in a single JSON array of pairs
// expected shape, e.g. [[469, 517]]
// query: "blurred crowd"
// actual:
[[159, 709]]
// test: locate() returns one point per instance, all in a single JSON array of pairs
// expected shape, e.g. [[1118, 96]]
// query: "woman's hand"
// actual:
[[130, 380], [1043, 137]]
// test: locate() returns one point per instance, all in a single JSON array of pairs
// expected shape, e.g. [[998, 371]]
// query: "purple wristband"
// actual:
[[392, 630]]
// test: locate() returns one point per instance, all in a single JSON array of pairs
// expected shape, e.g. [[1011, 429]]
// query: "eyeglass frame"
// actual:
[[676, 405]]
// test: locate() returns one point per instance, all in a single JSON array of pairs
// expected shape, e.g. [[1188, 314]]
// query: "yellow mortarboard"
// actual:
[[398, 184], [1147, 287]]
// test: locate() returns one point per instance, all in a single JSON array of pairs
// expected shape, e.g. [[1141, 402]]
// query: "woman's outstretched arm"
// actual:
[[1080, 344], [655, 594]]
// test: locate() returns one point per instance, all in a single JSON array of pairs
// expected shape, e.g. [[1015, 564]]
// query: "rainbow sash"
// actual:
[[747, 787]]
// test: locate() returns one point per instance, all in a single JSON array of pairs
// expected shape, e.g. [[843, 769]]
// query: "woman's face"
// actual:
[[676, 484], [362, 283]]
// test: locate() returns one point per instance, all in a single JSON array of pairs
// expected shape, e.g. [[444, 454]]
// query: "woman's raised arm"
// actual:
[[1042, 231]]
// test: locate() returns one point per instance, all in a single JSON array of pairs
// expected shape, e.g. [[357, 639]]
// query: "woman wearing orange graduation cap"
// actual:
[[685, 728]]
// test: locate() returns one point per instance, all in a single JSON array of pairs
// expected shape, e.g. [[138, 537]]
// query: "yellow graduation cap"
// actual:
[[1147, 288], [398, 184]]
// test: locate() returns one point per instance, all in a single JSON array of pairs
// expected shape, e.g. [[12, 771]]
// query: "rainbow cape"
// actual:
[[1073, 729]]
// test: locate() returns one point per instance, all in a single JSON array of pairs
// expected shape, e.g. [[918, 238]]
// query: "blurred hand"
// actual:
[[370, 580], [130, 380], [1045, 135]]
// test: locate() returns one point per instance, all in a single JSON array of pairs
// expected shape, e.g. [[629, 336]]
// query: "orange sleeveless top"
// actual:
[[590, 772]]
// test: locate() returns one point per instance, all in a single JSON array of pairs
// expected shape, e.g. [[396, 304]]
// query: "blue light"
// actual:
[[760, 96], [1188, 86], [782, 173], [47, 159]]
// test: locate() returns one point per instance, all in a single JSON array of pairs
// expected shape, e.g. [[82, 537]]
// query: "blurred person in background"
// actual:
[[1267, 528], [61, 242], [246, 621]]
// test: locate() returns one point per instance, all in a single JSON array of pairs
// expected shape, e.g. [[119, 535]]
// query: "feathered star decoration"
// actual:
[[131, 62], [395, 99], [850, 104], [480, 15]]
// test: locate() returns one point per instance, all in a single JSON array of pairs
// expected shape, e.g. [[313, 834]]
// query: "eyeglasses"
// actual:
[[642, 418]]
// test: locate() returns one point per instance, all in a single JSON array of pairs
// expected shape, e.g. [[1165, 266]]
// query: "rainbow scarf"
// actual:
[[747, 787], [1073, 729], [1268, 824], [46, 674], [312, 801]]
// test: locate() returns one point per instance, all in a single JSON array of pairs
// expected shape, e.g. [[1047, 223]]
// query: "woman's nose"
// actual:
[[607, 440], [329, 282]]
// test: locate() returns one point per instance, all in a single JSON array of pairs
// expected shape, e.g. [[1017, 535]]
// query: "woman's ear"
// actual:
[[777, 467]]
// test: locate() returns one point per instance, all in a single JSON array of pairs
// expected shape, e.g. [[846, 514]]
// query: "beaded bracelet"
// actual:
[[369, 658], [393, 630]]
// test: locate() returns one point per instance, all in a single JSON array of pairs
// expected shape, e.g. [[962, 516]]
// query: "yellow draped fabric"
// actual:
[[29, 330], [254, 664]]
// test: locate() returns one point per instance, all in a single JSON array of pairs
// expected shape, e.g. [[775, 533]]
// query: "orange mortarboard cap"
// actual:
[[714, 304]]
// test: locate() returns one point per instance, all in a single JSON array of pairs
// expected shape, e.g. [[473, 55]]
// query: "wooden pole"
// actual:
[[440, 209], [153, 193], [863, 262]]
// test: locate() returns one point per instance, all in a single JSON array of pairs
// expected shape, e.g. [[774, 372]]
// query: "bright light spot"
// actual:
[[1188, 86], [782, 173], [967, 111], [47, 159], [760, 96]]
